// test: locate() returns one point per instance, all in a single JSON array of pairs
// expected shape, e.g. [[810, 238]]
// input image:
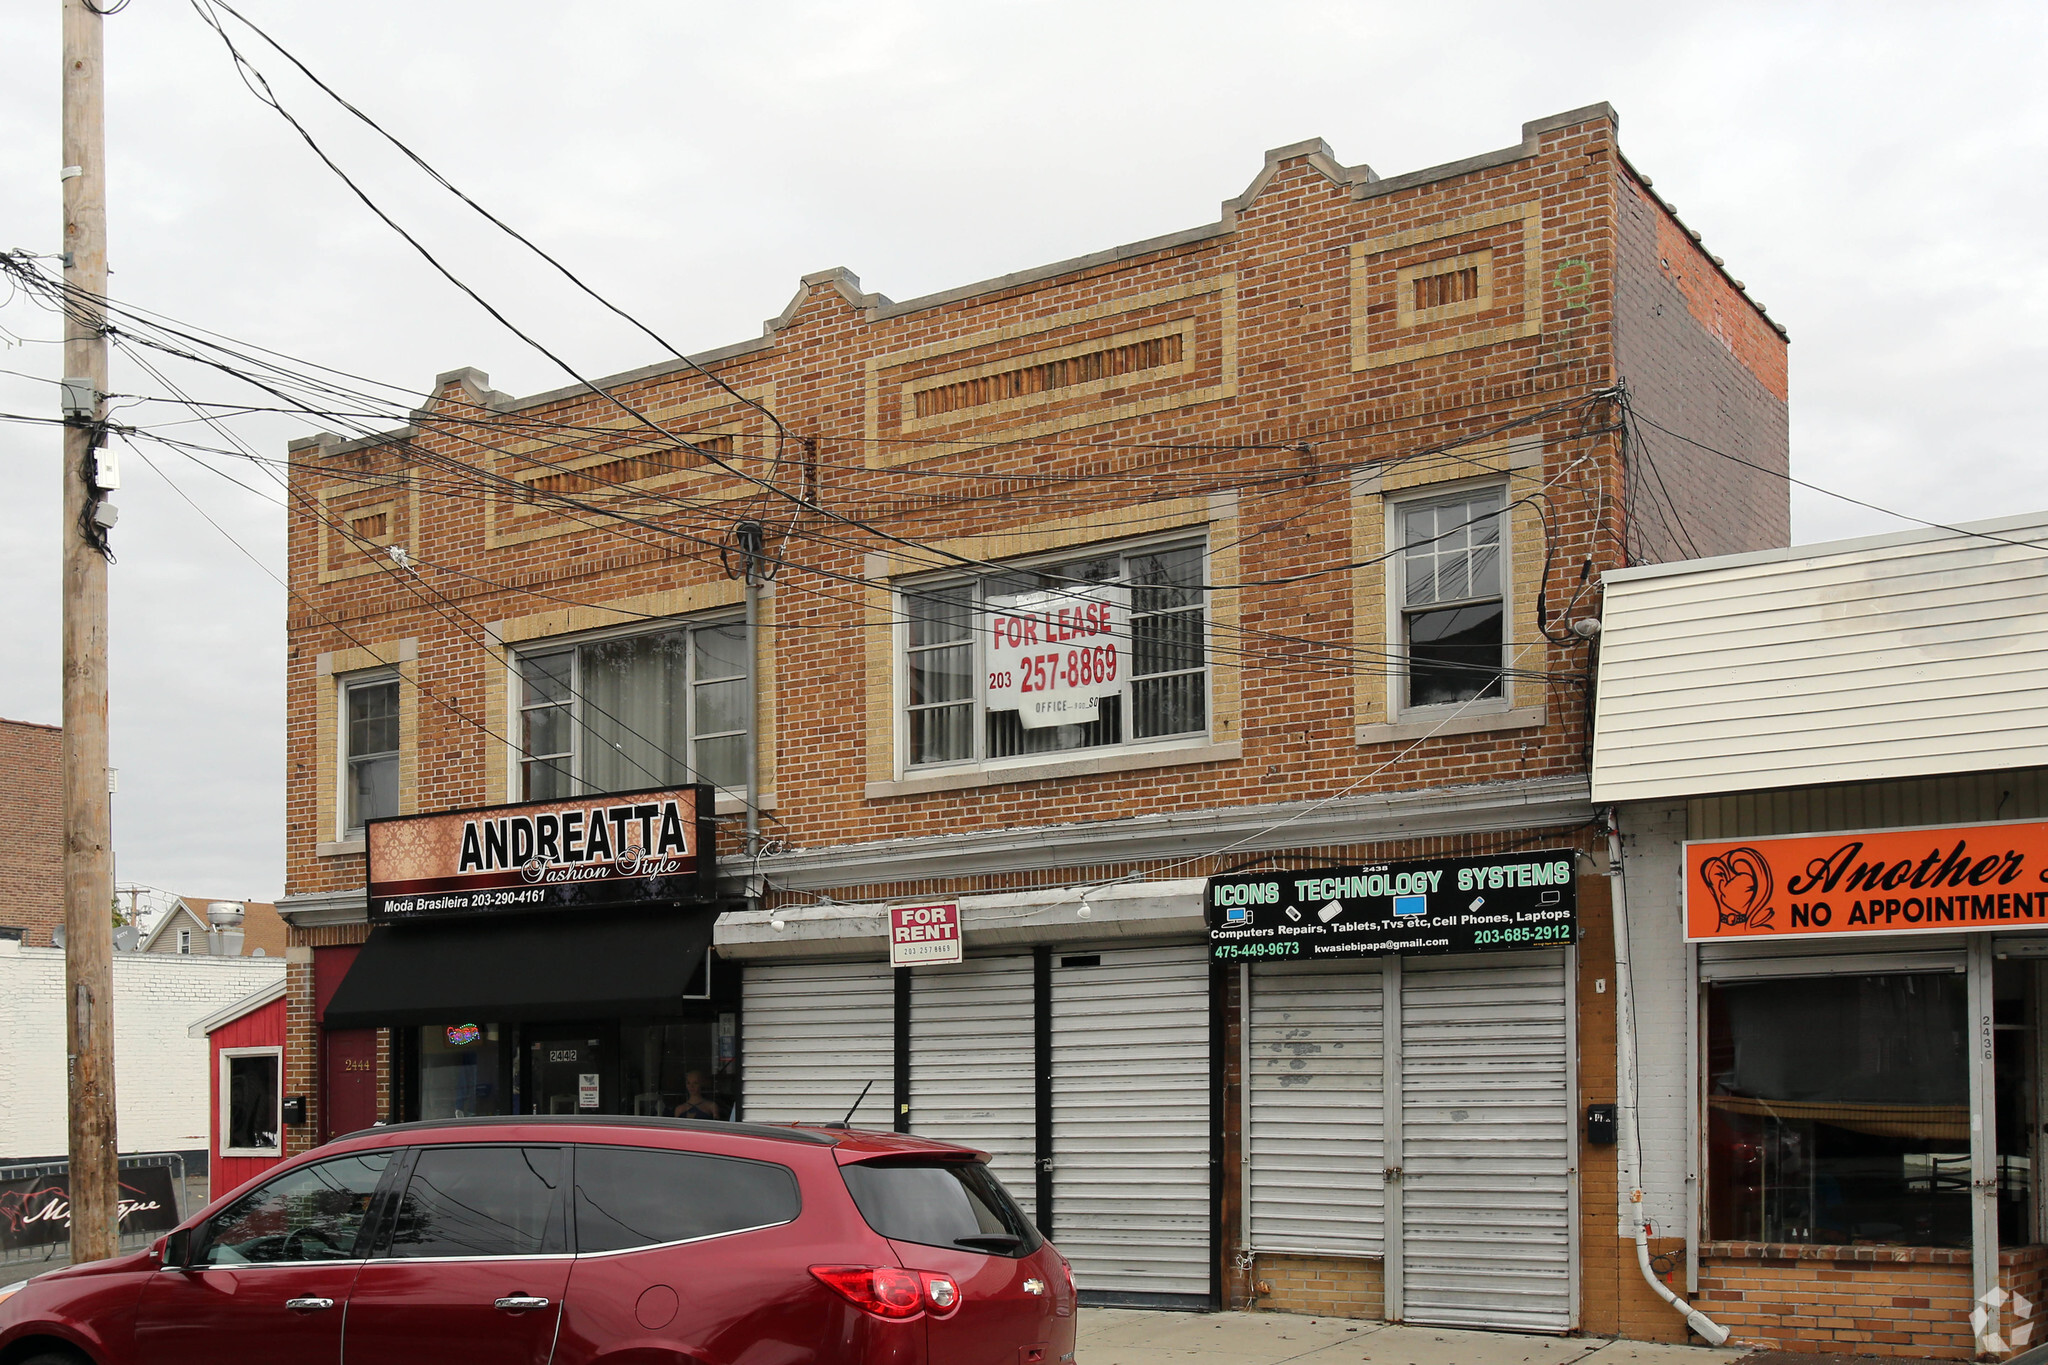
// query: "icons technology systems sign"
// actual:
[[1451, 905]]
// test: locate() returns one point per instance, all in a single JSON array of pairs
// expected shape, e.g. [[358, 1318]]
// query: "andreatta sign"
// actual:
[[621, 849]]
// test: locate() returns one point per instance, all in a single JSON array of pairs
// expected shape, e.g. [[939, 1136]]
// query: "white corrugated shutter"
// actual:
[[1130, 1083], [1486, 1134], [813, 1034], [1314, 1126], [972, 1059]]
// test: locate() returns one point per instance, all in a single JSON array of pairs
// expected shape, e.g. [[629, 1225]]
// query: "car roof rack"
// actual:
[[726, 1126]]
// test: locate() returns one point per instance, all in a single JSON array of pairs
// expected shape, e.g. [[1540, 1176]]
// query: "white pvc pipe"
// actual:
[[1625, 1091]]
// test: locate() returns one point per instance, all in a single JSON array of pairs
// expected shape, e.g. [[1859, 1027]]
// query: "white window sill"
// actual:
[[339, 848], [1086, 763], [1420, 724], [250, 1151]]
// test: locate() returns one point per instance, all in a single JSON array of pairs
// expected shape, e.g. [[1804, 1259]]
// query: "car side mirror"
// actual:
[[177, 1253]]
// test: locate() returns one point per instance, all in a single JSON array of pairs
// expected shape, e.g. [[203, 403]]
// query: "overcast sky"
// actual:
[[1871, 170]]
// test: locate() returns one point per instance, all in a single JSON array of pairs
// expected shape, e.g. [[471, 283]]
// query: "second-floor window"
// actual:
[[956, 706], [653, 709], [370, 738], [1452, 615]]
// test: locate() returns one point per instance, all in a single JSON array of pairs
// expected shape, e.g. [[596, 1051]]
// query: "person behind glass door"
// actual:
[[696, 1104]]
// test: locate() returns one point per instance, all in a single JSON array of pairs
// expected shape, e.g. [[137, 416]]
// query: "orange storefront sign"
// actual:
[[1893, 881]]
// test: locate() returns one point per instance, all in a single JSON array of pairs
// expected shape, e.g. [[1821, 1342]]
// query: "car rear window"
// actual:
[[957, 1204], [638, 1196]]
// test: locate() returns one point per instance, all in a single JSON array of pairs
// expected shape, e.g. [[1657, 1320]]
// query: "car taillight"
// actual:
[[941, 1295], [1063, 1304], [883, 1290]]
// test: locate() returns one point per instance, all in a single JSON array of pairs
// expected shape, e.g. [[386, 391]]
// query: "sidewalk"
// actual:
[[1125, 1336]]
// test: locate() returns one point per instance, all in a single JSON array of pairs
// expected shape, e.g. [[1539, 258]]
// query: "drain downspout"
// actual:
[[1625, 1092]]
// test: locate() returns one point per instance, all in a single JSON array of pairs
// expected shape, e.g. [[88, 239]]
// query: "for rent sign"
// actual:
[[1895, 881], [1053, 656], [629, 848], [923, 934]]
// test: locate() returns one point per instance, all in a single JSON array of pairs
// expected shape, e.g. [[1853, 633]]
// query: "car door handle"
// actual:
[[308, 1305], [521, 1303]]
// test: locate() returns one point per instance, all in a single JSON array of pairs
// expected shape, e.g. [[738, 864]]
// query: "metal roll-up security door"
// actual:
[[1131, 1115], [1486, 1135], [813, 1034], [973, 1063], [1315, 1097]]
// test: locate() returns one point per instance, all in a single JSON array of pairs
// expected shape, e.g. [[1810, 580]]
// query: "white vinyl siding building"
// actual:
[[1908, 655]]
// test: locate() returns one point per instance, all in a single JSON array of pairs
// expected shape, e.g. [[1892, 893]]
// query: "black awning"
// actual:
[[527, 967]]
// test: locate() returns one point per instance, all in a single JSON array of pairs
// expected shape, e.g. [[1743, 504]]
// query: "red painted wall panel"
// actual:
[[262, 1027]]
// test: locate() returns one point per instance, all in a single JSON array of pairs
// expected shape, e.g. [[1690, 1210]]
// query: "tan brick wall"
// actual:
[[1321, 1286], [1855, 1301]]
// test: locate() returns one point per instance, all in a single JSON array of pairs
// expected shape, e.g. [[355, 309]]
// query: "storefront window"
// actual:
[[462, 1071], [676, 1069], [1838, 1110]]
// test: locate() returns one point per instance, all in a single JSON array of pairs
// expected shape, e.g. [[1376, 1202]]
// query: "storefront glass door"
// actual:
[[569, 1069]]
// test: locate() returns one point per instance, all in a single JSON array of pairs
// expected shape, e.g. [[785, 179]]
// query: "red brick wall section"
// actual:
[[1700, 360], [31, 830], [2023, 1271], [301, 1058], [1285, 374], [1841, 1300]]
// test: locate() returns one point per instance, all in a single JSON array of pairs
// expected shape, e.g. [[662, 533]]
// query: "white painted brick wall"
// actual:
[[160, 1074], [1652, 853]]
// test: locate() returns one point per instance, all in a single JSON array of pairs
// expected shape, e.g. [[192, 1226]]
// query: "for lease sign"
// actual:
[[923, 934], [1053, 656]]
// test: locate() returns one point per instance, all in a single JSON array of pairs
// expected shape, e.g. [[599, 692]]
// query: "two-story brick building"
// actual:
[[1252, 546]]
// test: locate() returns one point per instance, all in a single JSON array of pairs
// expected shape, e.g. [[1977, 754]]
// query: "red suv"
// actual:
[[531, 1240]]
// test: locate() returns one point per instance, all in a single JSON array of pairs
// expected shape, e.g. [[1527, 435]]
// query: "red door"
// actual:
[[349, 1081]]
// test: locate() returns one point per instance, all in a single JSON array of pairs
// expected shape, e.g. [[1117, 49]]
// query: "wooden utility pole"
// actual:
[[88, 834]]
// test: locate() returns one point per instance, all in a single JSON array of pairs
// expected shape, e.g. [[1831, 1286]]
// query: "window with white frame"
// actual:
[[960, 697], [648, 709], [185, 940], [251, 1101], [1452, 614], [369, 739]]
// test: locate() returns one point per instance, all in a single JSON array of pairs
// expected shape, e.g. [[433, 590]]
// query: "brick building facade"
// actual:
[[1357, 454], [32, 819]]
